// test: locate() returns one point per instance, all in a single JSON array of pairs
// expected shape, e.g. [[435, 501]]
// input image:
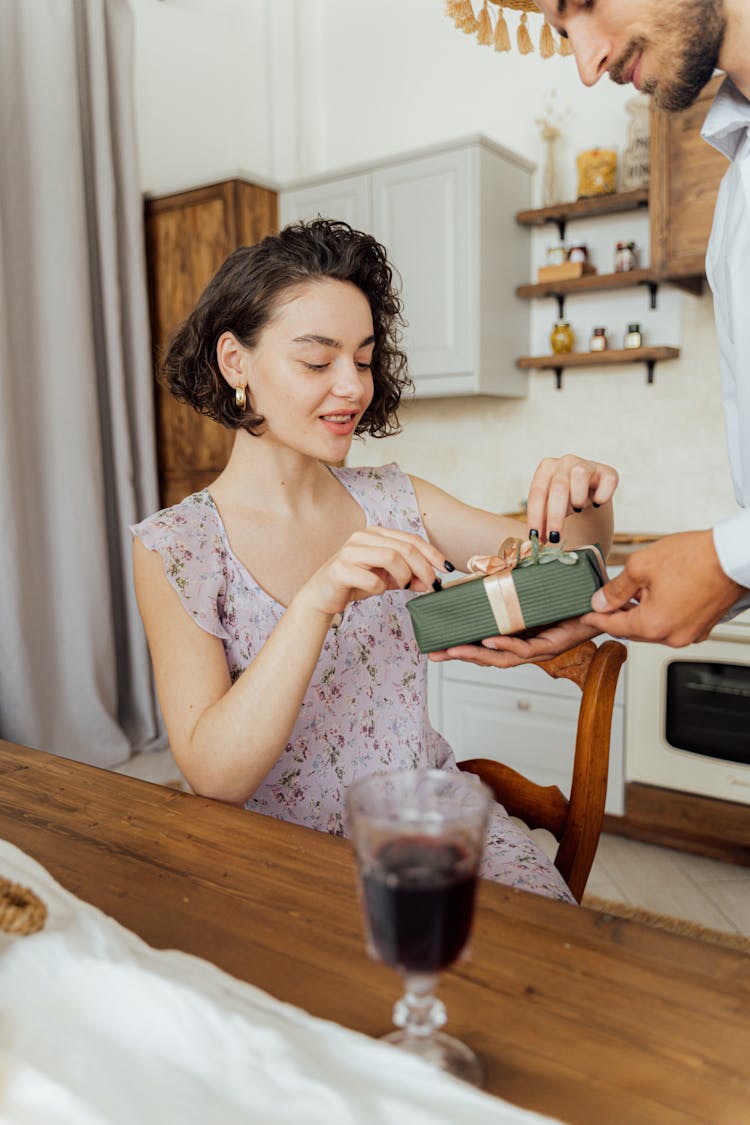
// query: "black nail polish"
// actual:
[[554, 536], [533, 534], [596, 505], [449, 567], [577, 509], [437, 585]]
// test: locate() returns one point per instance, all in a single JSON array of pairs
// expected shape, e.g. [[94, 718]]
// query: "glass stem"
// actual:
[[419, 1012]]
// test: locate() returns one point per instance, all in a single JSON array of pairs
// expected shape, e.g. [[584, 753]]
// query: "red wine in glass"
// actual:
[[419, 898], [418, 837]]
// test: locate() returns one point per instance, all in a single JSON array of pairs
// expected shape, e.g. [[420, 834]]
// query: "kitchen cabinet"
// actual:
[[521, 717], [188, 236], [447, 218], [685, 177]]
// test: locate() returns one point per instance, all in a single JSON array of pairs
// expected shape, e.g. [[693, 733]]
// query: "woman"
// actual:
[[275, 600]]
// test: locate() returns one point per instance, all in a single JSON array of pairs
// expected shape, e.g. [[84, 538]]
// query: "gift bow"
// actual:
[[520, 552], [498, 582]]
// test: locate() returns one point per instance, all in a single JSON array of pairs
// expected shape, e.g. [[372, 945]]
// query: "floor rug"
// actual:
[[665, 922]]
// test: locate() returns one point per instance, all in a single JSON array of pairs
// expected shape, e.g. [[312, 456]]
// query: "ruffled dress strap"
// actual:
[[188, 538], [386, 494]]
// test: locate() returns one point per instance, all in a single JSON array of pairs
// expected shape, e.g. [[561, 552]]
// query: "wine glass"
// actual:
[[418, 837]]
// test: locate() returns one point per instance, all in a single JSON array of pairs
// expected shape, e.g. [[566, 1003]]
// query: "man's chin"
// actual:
[[674, 98]]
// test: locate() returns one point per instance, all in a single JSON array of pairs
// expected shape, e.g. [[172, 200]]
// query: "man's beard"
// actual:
[[697, 34]]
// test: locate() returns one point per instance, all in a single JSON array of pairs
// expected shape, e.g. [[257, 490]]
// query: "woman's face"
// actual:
[[666, 48], [309, 374]]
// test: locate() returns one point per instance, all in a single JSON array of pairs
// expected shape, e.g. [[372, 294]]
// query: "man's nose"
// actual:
[[592, 53]]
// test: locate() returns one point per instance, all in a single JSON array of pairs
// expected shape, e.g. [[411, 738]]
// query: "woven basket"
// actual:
[[517, 5]]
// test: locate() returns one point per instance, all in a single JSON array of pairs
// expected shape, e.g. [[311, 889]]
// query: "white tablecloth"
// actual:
[[97, 1027]]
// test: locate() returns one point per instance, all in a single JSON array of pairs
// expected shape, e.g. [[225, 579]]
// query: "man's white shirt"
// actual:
[[727, 128]]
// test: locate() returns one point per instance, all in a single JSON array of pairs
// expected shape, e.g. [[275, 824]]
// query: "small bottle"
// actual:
[[561, 338], [556, 254], [625, 257], [598, 341], [633, 337], [578, 253]]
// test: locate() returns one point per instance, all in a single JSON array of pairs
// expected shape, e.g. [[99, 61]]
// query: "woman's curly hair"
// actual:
[[243, 296]]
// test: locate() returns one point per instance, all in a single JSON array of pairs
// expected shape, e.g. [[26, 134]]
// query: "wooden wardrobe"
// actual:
[[188, 236]]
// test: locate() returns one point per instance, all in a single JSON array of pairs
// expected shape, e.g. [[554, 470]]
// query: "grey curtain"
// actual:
[[77, 459]]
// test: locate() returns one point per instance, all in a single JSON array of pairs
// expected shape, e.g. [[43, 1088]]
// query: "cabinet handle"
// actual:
[[523, 705]]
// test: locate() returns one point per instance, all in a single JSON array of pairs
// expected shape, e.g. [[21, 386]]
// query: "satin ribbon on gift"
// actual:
[[498, 582], [498, 575]]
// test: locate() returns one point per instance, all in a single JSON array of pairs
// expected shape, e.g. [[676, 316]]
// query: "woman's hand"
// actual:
[[369, 563], [509, 652], [565, 485]]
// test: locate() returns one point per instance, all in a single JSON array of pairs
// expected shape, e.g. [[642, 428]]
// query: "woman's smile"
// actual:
[[343, 424]]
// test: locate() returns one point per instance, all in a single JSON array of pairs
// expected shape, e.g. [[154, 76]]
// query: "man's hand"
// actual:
[[680, 589], [508, 652]]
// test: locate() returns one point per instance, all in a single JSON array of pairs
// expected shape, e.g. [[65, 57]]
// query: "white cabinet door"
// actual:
[[424, 211], [347, 199], [447, 220]]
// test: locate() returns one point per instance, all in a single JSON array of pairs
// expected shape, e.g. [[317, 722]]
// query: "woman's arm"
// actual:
[[226, 737]]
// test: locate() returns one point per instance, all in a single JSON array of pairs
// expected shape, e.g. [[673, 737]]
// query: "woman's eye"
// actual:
[[316, 366], [364, 366]]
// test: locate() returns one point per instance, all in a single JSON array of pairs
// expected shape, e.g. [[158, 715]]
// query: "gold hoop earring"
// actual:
[[240, 397]]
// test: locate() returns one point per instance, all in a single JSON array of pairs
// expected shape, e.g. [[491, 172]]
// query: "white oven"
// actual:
[[687, 714]]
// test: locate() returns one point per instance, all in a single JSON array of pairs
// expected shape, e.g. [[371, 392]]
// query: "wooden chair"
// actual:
[[576, 824]]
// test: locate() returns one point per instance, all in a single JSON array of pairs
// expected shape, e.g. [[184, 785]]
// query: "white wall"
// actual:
[[283, 89], [201, 78]]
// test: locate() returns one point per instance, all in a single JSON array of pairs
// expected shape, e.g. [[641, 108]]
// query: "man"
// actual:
[[677, 589]]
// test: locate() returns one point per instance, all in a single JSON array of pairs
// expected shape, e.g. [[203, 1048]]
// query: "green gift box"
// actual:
[[550, 585]]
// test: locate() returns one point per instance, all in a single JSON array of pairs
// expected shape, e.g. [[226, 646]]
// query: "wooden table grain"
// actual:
[[591, 1019]]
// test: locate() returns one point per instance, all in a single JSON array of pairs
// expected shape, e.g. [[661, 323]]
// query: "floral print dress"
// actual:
[[366, 705]]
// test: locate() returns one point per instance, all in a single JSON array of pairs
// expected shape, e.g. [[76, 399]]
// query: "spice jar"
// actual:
[[556, 254], [633, 337], [561, 337], [578, 253], [598, 341], [625, 257]]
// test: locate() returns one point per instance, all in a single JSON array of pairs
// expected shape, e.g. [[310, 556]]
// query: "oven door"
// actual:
[[687, 716]]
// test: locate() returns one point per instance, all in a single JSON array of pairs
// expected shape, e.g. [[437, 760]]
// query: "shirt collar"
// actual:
[[728, 119]]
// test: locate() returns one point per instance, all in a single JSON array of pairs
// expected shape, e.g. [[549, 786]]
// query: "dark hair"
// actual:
[[243, 296]]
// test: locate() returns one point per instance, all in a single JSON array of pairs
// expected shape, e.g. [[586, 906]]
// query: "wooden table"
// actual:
[[577, 1015]]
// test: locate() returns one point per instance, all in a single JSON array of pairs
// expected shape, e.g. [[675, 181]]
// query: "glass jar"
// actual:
[[626, 257], [556, 254], [633, 338], [561, 338], [578, 253], [598, 341]]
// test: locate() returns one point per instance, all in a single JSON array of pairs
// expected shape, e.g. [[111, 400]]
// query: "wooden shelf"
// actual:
[[562, 213], [610, 357], [601, 282], [597, 359], [589, 283]]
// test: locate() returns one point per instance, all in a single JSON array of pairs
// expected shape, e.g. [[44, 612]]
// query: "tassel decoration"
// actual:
[[491, 30], [546, 42], [502, 36], [465, 18], [484, 34], [525, 46]]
